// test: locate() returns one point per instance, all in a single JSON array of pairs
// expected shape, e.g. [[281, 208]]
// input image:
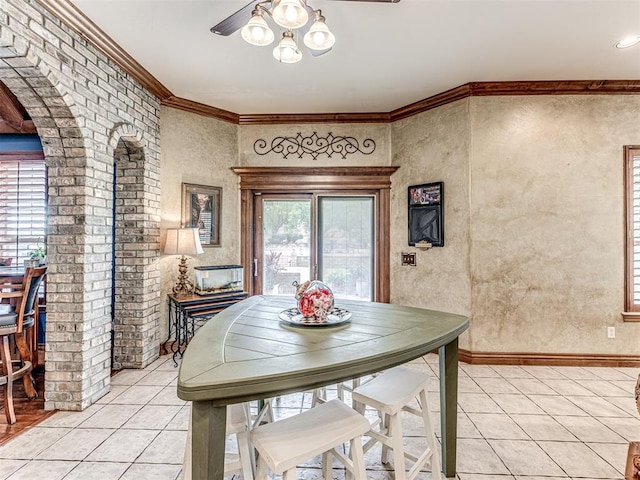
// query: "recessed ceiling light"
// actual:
[[628, 42]]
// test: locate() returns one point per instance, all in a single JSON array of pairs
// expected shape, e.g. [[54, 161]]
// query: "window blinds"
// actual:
[[23, 206]]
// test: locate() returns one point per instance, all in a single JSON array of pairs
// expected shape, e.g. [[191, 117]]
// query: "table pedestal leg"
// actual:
[[448, 359], [207, 446]]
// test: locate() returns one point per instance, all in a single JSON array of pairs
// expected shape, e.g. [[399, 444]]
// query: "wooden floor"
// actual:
[[28, 412]]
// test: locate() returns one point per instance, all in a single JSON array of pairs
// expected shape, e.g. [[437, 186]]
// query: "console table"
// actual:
[[188, 313]]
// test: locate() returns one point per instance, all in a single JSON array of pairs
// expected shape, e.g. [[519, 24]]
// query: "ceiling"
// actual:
[[386, 55]]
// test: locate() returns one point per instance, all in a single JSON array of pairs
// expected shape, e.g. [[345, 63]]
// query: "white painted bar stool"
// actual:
[[244, 461], [319, 395], [321, 430], [391, 393]]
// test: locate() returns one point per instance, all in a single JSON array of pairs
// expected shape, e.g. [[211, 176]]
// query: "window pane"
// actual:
[[347, 246], [22, 208], [286, 245]]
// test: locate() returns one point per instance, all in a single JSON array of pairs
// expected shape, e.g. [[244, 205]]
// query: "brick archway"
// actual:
[[136, 296], [82, 108], [67, 324]]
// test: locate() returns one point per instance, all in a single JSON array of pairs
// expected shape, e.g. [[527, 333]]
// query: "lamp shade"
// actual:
[[290, 13], [183, 241], [256, 31], [319, 37], [287, 50]]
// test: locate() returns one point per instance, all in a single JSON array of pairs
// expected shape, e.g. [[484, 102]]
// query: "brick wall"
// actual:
[[94, 120]]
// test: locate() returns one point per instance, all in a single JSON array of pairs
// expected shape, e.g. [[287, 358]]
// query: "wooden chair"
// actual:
[[17, 319]]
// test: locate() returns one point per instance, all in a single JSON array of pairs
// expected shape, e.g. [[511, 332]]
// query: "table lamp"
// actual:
[[183, 241]]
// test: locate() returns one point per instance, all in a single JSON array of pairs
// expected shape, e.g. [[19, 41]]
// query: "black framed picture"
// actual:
[[426, 215], [201, 209]]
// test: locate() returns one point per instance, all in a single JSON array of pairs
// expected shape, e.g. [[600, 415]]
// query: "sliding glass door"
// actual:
[[306, 237], [345, 245]]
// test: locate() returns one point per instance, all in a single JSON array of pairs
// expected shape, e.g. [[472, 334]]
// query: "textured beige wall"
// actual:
[[547, 223], [200, 150], [533, 210], [379, 133], [431, 147], [533, 220]]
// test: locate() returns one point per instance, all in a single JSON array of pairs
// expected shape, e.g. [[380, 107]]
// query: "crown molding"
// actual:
[[284, 118], [200, 109], [453, 95], [69, 14], [551, 87], [555, 87]]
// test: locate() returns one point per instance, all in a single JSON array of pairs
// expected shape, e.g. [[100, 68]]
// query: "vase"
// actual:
[[315, 299]]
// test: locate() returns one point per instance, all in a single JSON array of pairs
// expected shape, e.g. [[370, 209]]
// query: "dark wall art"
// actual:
[[315, 145], [426, 215], [201, 209]]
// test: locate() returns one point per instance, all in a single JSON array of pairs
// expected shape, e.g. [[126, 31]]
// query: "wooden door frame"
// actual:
[[258, 180]]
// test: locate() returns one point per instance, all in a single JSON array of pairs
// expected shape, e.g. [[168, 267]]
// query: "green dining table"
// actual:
[[247, 352]]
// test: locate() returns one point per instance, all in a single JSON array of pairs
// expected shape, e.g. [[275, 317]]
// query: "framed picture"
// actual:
[[201, 210], [426, 209]]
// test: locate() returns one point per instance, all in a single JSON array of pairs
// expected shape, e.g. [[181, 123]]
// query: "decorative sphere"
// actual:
[[315, 299]]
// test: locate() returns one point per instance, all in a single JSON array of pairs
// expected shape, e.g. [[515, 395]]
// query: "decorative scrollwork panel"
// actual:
[[314, 146]]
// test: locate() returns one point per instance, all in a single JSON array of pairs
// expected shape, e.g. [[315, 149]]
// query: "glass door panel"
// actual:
[[286, 244], [346, 245]]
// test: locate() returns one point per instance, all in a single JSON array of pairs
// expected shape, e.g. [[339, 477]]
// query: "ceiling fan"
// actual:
[[292, 15]]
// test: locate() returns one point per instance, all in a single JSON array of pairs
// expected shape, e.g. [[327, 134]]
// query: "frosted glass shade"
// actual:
[[256, 31], [319, 37], [290, 13], [287, 51]]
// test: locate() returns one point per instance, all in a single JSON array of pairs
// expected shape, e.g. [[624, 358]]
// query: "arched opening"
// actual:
[[88, 278], [135, 300]]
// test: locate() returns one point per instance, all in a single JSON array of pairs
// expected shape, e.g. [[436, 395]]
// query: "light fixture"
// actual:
[[319, 37], [183, 241], [256, 31], [291, 15], [287, 50], [628, 42]]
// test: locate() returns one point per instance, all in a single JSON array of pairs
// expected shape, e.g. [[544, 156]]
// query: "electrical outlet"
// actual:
[[611, 332]]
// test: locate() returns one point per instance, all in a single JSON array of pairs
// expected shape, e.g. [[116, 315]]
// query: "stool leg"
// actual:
[[26, 356], [327, 465], [319, 396], [357, 457], [7, 371], [430, 435], [385, 429], [265, 412], [290, 475], [395, 432], [246, 457], [262, 470]]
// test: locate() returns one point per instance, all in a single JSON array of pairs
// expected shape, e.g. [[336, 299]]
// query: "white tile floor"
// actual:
[[514, 423]]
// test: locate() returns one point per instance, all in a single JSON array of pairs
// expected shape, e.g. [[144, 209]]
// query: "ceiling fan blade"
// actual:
[[235, 21]]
